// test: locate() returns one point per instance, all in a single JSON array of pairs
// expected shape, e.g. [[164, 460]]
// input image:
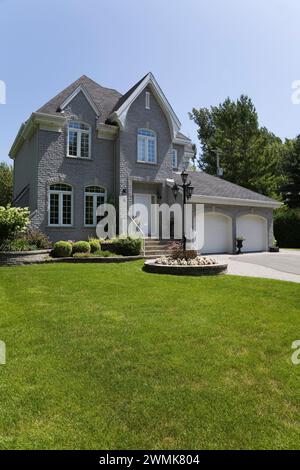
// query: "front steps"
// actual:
[[155, 248]]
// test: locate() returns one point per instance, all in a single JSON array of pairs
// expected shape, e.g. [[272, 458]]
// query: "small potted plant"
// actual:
[[239, 244], [274, 248]]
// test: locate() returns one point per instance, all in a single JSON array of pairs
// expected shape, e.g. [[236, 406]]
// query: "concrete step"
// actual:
[[155, 250], [157, 242], [156, 247]]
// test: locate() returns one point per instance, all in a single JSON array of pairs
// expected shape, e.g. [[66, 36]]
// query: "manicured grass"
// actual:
[[107, 356]]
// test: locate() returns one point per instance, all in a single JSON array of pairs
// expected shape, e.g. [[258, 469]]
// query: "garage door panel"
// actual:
[[217, 233], [254, 230]]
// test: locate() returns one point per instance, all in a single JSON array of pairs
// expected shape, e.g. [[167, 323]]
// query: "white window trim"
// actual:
[[95, 195], [60, 207], [79, 132], [147, 138], [174, 154], [147, 100]]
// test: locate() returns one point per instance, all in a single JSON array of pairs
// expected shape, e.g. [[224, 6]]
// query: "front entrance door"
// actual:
[[143, 213]]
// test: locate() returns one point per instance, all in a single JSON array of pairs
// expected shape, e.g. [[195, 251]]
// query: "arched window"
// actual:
[[79, 140], [60, 205], [146, 146], [94, 196]]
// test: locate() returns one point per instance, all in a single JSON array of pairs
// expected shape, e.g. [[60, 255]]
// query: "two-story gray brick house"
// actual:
[[90, 144]]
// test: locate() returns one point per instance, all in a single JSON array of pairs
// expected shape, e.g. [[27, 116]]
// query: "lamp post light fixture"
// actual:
[[187, 190]]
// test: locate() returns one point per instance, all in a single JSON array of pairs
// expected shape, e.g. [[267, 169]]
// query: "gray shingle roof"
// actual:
[[180, 135], [127, 94], [105, 99], [208, 185]]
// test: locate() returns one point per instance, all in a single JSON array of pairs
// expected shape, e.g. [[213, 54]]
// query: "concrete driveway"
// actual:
[[284, 266]]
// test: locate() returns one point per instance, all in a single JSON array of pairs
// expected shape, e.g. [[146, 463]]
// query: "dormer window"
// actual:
[[79, 140], [146, 146], [147, 100]]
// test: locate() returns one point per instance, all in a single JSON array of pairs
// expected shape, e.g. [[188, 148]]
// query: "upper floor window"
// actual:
[[147, 100], [94, 196], [146, 146], [174, 159], [79, 140], [60, 205]]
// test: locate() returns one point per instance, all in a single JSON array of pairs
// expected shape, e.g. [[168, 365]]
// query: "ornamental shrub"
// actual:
[[81, 247], [95, 245], [62, 250], [123, 246], [34, 237], [12, 221], [287, 227]]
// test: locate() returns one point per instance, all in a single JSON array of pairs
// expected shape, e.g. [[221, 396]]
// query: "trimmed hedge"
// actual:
[[62, 249], [123, 246], [287, 227], [81, 247], [95, 245]]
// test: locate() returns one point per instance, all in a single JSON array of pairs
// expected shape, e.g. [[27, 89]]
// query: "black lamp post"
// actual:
[[187, 190]]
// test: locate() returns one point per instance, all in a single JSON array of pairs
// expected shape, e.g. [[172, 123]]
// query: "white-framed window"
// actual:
[[93, 197], [60, 212], [79, 140], [174, 159], [147, 100], [146, 146]]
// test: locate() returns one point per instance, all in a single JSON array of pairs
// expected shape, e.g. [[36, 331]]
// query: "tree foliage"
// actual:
[[13, 220], [249, 155], [6, 184], [291, 169]]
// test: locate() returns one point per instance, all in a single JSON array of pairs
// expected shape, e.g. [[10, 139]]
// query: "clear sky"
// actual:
[[200, 51]]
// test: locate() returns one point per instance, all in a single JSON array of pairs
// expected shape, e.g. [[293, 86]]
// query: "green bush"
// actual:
[[81, 255], [19, 244], [95, 245], [287, 227], [123, 246], [12, 221], [81, 247], [62, 249], [33, 236]]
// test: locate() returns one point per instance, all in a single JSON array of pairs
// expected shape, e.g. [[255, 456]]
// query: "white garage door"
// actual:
[[217, 234], [255, 231]]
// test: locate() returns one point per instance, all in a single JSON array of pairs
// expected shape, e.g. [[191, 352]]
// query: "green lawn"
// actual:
[[107, 356]]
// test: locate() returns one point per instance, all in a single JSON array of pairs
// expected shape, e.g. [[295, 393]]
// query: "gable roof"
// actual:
[[127, 94], [120, 110], [106, 103], [209, 186], [103, 98]]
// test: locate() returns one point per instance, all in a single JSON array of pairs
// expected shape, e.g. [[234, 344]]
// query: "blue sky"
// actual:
[[200, 51]]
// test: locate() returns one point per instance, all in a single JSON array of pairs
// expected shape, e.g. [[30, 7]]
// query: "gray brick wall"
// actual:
[[25, 173], [154, 119], [54, 166]]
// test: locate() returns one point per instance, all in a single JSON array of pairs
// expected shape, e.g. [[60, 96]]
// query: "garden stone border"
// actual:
[[14, 258], [95, 259], [207, 270], [19, 258]]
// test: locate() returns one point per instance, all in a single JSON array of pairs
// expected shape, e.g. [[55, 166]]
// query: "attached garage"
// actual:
[[217, 233], [254, 229]]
